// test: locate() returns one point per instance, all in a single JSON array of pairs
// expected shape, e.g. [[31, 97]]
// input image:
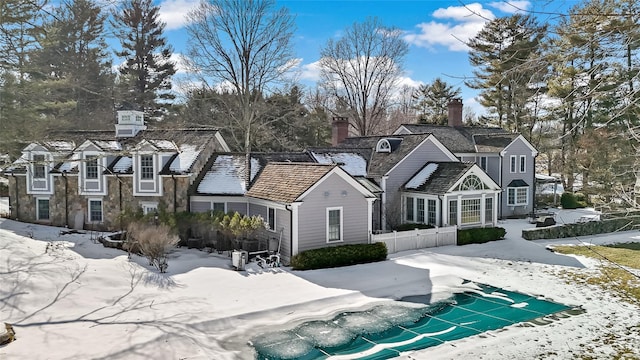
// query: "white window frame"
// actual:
[[38, 199], [513, 164], [153, 168], [37, 164], [89, 219], [410, 210], [149, 207], [523, 163], [515, 191], [341, 239], [271, 219], [477, 211], [224, 206]]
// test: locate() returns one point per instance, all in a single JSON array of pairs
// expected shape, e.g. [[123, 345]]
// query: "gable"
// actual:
[[430, 149], [519, 144]]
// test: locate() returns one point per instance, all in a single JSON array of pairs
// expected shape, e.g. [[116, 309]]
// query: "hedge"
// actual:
[[335, 256], [412, 226], [480, 235]]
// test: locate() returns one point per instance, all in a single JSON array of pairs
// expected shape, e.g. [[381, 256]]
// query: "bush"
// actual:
[[412, 226], [151, 241], [572, 201], [4, 189], [480, 235], [336, 256]]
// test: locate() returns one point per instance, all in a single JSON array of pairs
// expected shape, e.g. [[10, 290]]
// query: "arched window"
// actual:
[[472, 182], [383, 146]]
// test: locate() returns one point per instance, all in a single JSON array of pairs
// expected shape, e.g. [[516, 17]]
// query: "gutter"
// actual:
[[66, 199], [17, 204]]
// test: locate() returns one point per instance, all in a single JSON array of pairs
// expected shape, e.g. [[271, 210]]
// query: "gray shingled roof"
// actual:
[[442, 179], [381, 163], [285, 182], [464, 139]]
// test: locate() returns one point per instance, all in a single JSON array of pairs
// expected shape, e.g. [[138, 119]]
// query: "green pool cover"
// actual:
[[385, 331]]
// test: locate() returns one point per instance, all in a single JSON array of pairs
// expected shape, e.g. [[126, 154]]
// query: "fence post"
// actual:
[[395, 241], [437, 234]]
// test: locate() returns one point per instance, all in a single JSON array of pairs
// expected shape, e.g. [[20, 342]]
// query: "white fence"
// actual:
[[417, 239]]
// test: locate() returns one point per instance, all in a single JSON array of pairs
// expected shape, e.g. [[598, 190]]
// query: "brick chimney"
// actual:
[[339, 130], [455, 112]]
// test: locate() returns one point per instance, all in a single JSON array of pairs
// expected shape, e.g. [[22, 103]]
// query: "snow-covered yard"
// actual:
[[70, 298]]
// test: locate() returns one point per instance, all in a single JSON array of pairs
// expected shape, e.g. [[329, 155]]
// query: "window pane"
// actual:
[[511, 196], [488, 210], [334, 225], [409, 209], [38, 167], [470, 211], [95, 210], [523, 166], [453, 212], [271, 218], [432, 212], [43, 209], [521, 197], [146, 167], [513, 164], [218, 207], [420, 218], [92, 167]]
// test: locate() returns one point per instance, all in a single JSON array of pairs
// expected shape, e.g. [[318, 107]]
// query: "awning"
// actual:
[[517, 183]]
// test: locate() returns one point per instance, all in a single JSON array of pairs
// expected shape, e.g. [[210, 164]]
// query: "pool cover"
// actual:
[[386, 331]]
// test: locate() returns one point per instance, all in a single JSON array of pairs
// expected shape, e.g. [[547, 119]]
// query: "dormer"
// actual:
[[130, 123], [387, 145]]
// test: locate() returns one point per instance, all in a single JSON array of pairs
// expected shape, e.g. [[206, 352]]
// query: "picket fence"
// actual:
[[397, 241]]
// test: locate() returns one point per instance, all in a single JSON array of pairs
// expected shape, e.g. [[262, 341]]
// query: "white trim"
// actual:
[[515, 196], [513, 164], [295, 228], [370, 202], [522, 164], [383, 146], [48, 176], [477, 171], [345, 176], [148, 206], [402, 130], [275, 217], [534, 152], [328, 210], [101, 158]]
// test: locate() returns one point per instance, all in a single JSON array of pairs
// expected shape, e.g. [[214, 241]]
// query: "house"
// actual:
[[310, 205], [87, 179], [508, 158]]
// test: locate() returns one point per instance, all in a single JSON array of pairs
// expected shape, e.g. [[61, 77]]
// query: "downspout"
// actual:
[[501, 194], [66, 198], [288, 208], [17, 204], [383, 205], [175, 193]]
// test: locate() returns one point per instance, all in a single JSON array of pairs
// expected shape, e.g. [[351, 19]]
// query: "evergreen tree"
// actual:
[[506, 54], [432, 101], [146, 73], [74, 67]]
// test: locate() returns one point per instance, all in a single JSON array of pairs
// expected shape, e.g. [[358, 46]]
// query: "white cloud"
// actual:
[[310, 71], [511, 7], [173, 12], [465, 22], [407, 81], [181, 63]]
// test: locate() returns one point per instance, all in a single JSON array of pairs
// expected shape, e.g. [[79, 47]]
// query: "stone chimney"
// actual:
[[339, 130], [455, 112]]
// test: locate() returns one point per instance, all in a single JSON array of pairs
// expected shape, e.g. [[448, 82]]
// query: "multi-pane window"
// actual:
[[420, 215], [431, 211], [470, 211], [409, 208], [453, 212], [271, 218], [95, 210], [146, 167], [523, 163], [218, 206], [518, 196], [91, 166], [488, 210], [39, 170], [42, 209], [334, 225], [513, 163]]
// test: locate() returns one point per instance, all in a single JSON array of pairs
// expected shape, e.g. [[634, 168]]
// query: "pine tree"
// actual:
[[74, 66], [432, 101], [146, 73]]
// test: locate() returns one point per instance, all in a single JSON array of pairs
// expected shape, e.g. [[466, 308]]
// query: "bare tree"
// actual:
[[243, 46], [361, 70]]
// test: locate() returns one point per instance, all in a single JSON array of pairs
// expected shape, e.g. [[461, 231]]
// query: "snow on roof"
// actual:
[[108, 145], [123, 164], [164, 144], [70, 163], [354, 164], [226, 176], [185, 158], [422, 176], [60, 145]]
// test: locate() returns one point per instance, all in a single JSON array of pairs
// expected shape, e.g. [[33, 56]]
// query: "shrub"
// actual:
[[4, 189], [412, 226], [336, 256], [151, 241], [572, 201], [480, 235]]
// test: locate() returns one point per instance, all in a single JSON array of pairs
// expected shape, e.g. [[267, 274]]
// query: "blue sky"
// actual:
[[435, 31]]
